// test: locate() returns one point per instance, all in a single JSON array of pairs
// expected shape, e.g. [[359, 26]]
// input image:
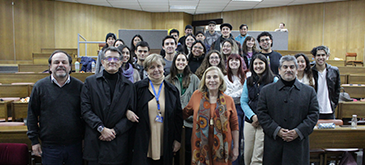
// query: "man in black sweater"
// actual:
[[54, 114], [265, 41]]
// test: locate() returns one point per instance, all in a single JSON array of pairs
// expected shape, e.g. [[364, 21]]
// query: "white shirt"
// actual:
[[55, 81], [322, 94], [233, 89]]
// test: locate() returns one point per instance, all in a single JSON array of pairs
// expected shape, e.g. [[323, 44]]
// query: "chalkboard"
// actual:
[[153, 37]]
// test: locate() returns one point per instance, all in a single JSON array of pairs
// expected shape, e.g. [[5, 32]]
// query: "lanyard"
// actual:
[[157, 95]]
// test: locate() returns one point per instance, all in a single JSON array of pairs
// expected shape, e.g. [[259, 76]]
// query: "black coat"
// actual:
[[173, 122], [290, 108], [98, 109]]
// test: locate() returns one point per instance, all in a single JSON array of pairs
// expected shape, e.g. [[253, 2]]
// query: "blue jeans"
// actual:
[[241, 120], [59, 154]]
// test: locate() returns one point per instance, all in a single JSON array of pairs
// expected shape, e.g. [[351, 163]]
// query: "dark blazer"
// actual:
[[333, 84], [97, 109], [290, 108], [173, 122]]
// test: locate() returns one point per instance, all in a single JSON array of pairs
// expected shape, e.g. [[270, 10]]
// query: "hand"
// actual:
[[283, 133], [255, 121], [37, 150], [176, 146], [234, 154], [132, 116], [292, 135], [107, 134]]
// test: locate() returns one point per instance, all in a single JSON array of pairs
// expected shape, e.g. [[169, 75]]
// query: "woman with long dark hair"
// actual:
[[304, 74], [249, 49], [186, 82], [261, 75], [109, 41], [213, 58], [135, 39], [127, 66]]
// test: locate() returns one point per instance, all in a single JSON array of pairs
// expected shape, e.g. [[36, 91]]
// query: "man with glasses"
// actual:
[[265, 41], [287, 112], [327, 82], [142, 51], [169, 44], [105, 99], [211, 35]]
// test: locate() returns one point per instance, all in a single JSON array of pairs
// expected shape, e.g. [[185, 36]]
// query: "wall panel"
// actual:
[[6, 32]]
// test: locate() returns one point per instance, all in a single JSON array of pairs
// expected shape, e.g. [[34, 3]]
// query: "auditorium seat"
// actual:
[[14, 154], [352, 62]]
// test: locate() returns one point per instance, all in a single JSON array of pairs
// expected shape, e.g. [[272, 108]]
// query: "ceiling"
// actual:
[[200, 6]]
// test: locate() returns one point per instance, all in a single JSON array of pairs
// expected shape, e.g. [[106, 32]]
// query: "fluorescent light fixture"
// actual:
[[248, 0], [183, 7]]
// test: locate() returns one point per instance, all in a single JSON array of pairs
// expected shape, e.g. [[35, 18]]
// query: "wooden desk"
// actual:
[[356, 78], [354, 90], [14, 90], [347, 109], [344, 78], [4, 107], [32, 67], [19, 110], [14, 134], [341, 137], [351, 70]]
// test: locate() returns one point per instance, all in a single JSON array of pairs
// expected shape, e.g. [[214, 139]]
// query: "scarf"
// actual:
[[220, 146], [128, 72]]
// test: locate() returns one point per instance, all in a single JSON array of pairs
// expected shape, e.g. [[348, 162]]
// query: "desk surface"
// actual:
[[340, 137], [4, 129]]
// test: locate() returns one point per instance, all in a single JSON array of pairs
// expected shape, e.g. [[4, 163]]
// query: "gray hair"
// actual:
[[151, 59], [288, 58], [112, 49]]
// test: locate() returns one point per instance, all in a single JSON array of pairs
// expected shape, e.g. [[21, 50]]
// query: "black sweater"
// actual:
[[58, 110]]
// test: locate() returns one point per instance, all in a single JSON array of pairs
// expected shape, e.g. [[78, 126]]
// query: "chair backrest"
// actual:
[[351, 55], [335, 121], [14, 153]]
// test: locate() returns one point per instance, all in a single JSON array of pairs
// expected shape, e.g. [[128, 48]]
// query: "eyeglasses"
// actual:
[[290, 66], [198, 47], [266, 39], [112, 58]]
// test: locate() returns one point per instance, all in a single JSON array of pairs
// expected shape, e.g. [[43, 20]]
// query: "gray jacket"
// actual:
[[185, 98]]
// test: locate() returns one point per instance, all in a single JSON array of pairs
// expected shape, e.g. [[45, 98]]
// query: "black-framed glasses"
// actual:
[[266, 39]]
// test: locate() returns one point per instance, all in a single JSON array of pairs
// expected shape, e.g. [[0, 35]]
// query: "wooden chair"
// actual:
[[352, 62]]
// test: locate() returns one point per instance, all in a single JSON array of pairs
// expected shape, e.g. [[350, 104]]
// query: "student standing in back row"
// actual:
[[266, 42], [327, 82]]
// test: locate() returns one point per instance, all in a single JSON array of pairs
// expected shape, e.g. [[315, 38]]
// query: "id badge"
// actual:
[[159, 118]]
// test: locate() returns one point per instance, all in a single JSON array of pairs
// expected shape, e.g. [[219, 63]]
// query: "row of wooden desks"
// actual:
[[14, 134], [341, 137], [17, 109]]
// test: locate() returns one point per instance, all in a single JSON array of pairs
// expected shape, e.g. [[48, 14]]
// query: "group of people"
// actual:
[[203, 93]]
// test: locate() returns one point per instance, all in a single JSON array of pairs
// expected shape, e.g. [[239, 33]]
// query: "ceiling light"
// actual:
[[183, 7], [248, 0]]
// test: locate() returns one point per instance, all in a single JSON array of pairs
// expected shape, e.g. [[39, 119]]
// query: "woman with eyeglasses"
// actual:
[[213, 58], [127, 66], [197, 55], [159, 127]]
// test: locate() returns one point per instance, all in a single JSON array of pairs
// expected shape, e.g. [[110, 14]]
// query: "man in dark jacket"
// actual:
[[105, 99], [328, 83], [287, 112], [54, 114]]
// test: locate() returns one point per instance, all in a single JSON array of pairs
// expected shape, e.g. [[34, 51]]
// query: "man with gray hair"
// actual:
[[328, 83], [105, 99], [287, 112]]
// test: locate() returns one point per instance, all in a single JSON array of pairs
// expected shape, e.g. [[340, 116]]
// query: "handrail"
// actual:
[[85, 42]]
